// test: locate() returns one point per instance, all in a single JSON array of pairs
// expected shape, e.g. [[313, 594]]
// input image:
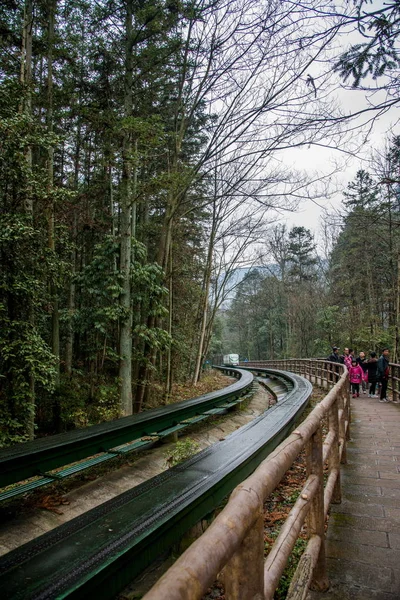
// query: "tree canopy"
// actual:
[[141, 155]]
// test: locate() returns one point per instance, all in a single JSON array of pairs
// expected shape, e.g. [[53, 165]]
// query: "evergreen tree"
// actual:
[[364, 266], [379, 55], [301, 255]]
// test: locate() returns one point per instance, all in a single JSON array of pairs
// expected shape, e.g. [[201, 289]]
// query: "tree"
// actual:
[[379, 55], [139, 150], [364, 262], [282, 301], [301, 255], [361, 193]]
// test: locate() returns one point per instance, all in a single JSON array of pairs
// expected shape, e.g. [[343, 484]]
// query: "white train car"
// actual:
[[231, 360]]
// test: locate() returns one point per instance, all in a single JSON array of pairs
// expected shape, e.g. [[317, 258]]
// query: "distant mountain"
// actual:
[[270, 270], [240, 273]]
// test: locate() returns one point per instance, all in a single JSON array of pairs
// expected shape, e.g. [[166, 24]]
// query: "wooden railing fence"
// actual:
[[394, 381], [234, 542]]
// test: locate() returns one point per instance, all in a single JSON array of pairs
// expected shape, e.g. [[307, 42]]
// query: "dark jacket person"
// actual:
[[383, 373], [334, 357], [372, 367]]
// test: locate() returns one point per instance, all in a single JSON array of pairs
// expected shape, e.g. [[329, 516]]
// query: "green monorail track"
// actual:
[[98, 553], [41, 456]]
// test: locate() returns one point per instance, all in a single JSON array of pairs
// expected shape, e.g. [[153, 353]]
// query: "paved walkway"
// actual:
[[363, 542]]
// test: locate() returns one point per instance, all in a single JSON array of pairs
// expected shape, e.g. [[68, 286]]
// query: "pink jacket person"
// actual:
[[356, 374]]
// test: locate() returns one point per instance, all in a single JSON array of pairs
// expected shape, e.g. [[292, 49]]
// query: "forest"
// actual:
[[346, 293], [141, 146]]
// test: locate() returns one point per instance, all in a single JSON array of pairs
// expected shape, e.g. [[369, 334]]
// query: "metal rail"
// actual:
[[101, 551], [40, 456]]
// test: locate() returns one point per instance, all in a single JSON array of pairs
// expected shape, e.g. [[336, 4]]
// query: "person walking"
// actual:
[[334, 357], [348, 357], [362, 361], [383, 373], [372, 367], [356, 376], [345, 355]]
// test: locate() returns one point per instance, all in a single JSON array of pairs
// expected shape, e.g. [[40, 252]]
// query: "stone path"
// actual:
[[363, 541]]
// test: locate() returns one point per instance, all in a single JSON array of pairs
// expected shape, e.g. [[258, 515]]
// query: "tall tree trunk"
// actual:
[[397, 304], [26, 79], [204, 309], [69, 345], [164, 249], [164, 246], [55, 321], [168, 380], [55, 337], [125, 341]]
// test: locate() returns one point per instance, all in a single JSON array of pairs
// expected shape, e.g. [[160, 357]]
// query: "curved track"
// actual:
[[101, 551], [42, 455]]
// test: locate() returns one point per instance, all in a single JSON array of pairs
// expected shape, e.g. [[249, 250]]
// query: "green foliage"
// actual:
[[101, 285], [154, 337], [328, 326], [28, 268], [301, 255], [216, 343], [103, 405], [280, 304], [78, 206], [361, 193], [381, 338], [122, 134], [12, 431], [378, 55], [181, 451], [24, 355], [77, 404], [363, 268], [147, 282], [24, 352]]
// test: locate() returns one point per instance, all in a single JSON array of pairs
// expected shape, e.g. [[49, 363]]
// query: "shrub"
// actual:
[[181, 451]]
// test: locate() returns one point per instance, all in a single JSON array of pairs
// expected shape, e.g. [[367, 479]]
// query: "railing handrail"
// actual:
[[234, 541]]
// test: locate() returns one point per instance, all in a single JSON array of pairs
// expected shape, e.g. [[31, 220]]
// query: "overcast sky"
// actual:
[[316, 159]]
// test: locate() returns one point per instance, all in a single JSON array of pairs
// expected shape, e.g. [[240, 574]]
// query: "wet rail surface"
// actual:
[[101, 551], [34, 458]]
